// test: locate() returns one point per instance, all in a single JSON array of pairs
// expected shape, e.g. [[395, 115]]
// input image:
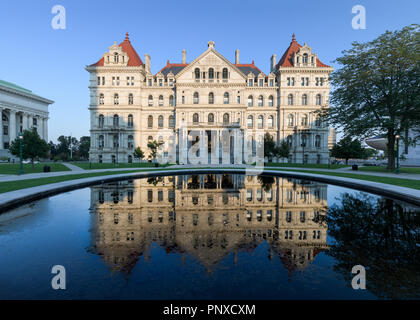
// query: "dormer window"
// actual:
[[116, 57], [261, 82], [305, 58], [271, 82], [251, 82], [197, 73], [160, 82]]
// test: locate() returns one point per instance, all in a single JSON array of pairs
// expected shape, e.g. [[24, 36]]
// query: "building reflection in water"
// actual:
[[208, 217]]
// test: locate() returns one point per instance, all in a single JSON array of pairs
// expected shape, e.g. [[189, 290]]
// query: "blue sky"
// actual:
[[51, 62]]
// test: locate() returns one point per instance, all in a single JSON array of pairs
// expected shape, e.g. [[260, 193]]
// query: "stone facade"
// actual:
[[130, 106], [21, 110]]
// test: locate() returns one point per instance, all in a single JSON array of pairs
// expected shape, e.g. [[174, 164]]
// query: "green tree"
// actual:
[[83, 147], [347, 149], [154, 146], [138, 153], [377, 87], [283, 150], [269, 147], [32, 146]]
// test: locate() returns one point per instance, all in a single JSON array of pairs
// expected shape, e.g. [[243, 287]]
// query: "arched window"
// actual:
[[160, 101], [260, 122], [116, 141], [195, 118], [101, 141], [195, 98], [260, 101], [225, 73], [210, 118], [270, 122], [130, 99], [318, 121], [171, 121], [305, 58], [226, 98], [197, 73], [318, 141], [290, 120], [149, 138], [101, 121], [130, 142], [116, 99], [171, 100], [116, 120], [290, 99], [101, 98], [318, 100], [250, 101], [226, 118], [116, 57], [304, 100], [160, 121], [211, 98], [304, 120], [130, 120], [150, 121], [211, 73], [250, 122], [270, 101], [150, 101]]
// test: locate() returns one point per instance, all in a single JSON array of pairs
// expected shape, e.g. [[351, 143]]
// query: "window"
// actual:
[[211, 98], [101, 121], [195, 98], [183, 100], [290, 99], [99, 81], [291, 81], [160, 121], [171, 121], [304, 120], [318, 100], [225, 73], [260, 101], [211, 73], [115, 57], [251, 82], [101, 141], [318, 141], [195, 118], [130, 99], [210, 118], [116, 120], [150, 101], [116, 141], [226, 118], [304, 100], [250, 101], [290, 120], [260, 122], [303, 140], [116, 99], [130, 120], [271, 82], [238, 99], [270, 122], [260, 82], [250, 122], [226, 98], [249, 194], [101, 98], [318, 121], [160, 82], [160, 101], [270, 101], [150, 122], [171, 100], [130, 142], [197, 73], [305, 58]]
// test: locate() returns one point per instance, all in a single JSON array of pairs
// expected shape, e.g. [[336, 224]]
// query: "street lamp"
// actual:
[[397, 169], [20, 152]]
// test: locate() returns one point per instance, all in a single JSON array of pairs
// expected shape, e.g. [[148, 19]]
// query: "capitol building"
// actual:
[[209, 95]]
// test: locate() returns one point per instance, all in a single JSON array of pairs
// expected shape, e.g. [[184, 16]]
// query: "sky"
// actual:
[[51, 62]]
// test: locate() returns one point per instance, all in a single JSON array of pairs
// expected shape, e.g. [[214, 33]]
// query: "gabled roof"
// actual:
[[287, 58], [250, 67], [172, 67], [133, 58]]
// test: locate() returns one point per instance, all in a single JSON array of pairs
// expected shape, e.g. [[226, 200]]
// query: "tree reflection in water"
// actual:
[[383, 236]]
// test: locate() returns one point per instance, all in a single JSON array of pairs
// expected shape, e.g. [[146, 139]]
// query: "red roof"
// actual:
[[133, 58], [287, 58]]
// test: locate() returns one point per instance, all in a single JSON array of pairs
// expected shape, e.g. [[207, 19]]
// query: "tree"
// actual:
[[32, 146], [138, 153], [269, 146], [377, 88], [347, 148], [83, 147], [153, 146], [283, 150]]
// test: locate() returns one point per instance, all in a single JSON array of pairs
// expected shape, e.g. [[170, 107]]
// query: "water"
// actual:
[[211, 237]]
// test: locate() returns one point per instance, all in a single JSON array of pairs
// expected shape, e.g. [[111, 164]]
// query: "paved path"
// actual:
[[72, 167]]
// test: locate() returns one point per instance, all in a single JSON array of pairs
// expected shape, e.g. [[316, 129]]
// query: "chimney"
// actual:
[[273, 62], [147, 62], [184, 56], [237, 56]]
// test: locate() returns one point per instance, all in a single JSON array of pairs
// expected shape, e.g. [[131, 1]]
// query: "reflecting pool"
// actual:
[[214, 236]]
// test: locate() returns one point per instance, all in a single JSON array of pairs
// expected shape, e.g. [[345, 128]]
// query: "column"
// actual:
[[12, 121], [30, 121], [1, 129], [45, 126], [40, 123], [24, 121]]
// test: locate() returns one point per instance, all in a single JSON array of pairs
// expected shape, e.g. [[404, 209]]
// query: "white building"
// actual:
[[21, 110], [130, 106]]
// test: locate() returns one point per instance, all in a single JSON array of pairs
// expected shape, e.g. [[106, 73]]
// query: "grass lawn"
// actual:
[[309, 165], [88, 166], [13, 168], [383, 169]]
